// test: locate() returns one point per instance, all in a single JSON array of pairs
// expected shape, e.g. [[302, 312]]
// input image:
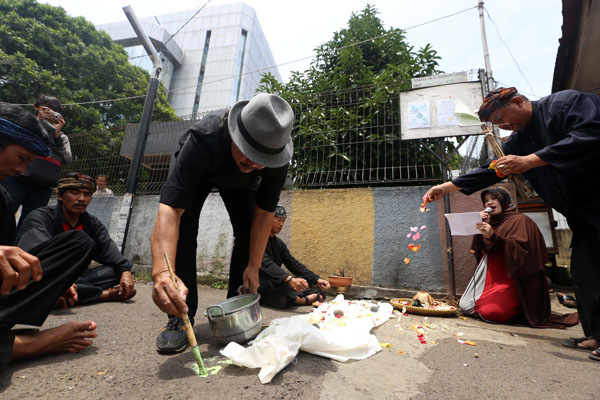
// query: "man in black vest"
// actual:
[[244, 153]]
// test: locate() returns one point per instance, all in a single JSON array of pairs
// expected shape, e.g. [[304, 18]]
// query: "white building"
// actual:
[[210, 60]]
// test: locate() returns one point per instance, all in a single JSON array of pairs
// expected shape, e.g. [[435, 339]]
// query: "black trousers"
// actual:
[[93, 281], [274, 294], [63, 258], [585, 272], [240, 205]]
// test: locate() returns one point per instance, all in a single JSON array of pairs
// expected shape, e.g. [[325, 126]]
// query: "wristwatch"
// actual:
[[288, 279]]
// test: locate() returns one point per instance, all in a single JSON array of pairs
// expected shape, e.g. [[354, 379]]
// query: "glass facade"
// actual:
[[201, 74], [239, 66]]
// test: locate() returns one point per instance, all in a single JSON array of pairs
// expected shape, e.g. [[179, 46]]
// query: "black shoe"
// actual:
[[172, 339]]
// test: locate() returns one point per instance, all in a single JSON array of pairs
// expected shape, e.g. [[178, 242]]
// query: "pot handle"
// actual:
[[217, 307]]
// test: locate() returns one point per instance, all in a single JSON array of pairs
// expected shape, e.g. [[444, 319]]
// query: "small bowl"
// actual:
[[340, 281]]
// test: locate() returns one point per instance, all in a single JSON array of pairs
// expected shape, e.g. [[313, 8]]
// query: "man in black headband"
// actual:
[[244, 153], [277, 288], [31, 282], [556, 146], [112, 280]]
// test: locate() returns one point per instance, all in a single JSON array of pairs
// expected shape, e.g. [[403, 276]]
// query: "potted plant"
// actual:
[[340, 281]]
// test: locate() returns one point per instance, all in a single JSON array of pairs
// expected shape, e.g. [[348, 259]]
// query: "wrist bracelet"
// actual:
[[289, 279]]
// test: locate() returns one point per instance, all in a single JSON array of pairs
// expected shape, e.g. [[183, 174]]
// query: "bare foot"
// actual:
[[112, 294], [71, 337], [588, 344]]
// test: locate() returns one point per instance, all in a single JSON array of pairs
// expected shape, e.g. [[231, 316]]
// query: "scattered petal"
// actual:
[[472, 251], [101, 372], [400, 352], [385, 344], [465, 365], [407, 261], [424, 227], [416, 236], [470, 343], [459, 334], [461, 317], [408, 235], [414, 228]]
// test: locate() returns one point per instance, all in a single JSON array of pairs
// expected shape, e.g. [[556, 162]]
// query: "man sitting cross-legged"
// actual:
[[277, 288], [31, 282], [95, 284]]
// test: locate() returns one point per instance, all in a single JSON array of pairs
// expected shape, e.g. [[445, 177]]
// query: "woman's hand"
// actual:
[[485, 216], [486, 229]]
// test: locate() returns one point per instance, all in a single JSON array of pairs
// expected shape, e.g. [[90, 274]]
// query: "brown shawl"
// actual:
[[519, 238]]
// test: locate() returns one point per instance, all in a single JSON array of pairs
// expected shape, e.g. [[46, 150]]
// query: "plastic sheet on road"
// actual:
[[343, 333]]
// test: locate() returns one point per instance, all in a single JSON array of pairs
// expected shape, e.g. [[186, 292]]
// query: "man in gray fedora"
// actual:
[[244, 153]]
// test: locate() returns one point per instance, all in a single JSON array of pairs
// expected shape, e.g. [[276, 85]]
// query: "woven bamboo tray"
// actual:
[[397, 303]]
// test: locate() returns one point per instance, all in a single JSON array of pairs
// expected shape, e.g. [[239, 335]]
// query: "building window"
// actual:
[[201, 75], [237, 83]]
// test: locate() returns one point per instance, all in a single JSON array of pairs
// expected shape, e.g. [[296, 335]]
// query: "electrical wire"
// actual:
[[509, 52], [261, 69]]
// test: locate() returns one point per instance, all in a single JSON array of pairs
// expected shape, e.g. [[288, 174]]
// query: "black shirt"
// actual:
[[276, 254], [206, 160], [44, 223], [564, 131], [7, 219]]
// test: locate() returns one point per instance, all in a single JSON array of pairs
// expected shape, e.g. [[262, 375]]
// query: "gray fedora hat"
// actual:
[[262, 129]]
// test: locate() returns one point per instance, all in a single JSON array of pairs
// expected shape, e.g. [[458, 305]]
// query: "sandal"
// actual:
[[318, 298], [595, 357], [573, 343], [566, 300]]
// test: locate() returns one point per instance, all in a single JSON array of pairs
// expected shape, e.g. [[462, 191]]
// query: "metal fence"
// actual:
[[348, 138]]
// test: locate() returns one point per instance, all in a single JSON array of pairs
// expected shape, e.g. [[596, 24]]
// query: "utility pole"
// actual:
[[486, 54], [136, 164]]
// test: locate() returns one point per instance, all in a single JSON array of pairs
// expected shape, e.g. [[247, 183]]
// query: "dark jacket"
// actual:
[[276, 254], [47, 222]]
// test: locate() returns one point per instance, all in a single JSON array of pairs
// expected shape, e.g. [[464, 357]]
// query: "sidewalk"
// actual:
[[509, 362]]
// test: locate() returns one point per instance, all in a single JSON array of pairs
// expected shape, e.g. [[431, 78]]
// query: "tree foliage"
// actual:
[[45, 51], [346, 103]]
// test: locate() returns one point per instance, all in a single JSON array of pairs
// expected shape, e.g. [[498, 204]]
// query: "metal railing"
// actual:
[[349, 138]]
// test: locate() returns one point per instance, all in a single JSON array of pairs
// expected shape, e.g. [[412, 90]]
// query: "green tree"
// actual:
[[45, 51], [347, 111]]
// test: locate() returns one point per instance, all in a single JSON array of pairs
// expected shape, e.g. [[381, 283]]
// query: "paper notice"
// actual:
[[445, 112], [462, 224], [466, 116], [419, 115]]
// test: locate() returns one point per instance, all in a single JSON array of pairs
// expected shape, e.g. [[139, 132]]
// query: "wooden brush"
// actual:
[[189, 330]]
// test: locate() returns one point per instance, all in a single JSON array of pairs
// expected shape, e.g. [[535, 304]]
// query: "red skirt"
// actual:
[[499, 301]]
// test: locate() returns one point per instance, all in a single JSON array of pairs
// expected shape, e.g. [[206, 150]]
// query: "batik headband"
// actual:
[[76, 182], [24, 137], [495, 99], [280, 212]]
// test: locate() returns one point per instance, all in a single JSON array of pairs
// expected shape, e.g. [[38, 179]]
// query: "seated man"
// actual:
[[510, 282], [277, 288], [30, 283], [95, 284]]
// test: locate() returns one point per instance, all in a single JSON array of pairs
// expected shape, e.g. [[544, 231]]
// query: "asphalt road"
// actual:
[[508, 362]]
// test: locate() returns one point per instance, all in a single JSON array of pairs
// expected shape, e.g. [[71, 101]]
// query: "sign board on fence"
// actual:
[[441, 111], [442, 79]]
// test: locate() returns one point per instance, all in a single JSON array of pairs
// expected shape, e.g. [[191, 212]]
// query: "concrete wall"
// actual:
[[362, 230]]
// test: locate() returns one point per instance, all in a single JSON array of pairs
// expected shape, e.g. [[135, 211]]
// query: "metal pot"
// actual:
[[237, 319]]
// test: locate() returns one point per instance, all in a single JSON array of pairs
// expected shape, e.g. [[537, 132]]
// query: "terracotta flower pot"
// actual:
[[340, 281]]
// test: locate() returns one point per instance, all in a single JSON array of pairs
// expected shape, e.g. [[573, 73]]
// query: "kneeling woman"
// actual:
[[509, 284]]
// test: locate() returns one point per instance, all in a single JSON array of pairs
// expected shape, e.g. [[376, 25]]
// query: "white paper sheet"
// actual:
[[462, 224], [466, 117], [445, 112], [419, 115]]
